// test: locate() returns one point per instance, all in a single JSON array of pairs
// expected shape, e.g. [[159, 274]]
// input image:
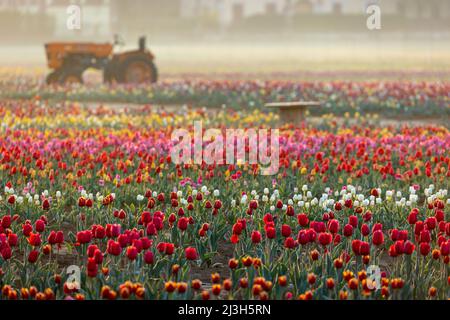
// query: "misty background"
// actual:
[[191, 36]]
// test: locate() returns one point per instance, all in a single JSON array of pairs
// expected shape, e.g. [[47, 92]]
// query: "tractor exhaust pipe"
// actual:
[[142, 43]]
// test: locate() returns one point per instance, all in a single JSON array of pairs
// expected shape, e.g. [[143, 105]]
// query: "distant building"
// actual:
[[101, 19], [229, 11], [406, 8]]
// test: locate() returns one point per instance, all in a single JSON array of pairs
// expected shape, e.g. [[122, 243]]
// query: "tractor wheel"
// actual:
[[139, 70], [64, 77], [71, 77]]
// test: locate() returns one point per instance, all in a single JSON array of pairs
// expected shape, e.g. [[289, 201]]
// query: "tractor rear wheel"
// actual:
[[139, 70]]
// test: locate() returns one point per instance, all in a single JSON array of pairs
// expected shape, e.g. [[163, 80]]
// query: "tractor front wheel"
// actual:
[[64, 77], [71, 77]]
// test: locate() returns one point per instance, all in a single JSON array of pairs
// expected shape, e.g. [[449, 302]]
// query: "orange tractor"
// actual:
[[70, 60]]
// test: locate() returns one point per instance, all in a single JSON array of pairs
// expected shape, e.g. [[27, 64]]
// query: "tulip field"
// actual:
[[94, 189], [390, 98]]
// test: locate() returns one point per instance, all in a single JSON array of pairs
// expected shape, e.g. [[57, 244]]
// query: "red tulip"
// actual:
[[348, 230], [132, 253], [146, 243], [217, 204], [440, 216], [121, 214], [6, 222], [289, 243], [325, 238], [409, 247], [124, 240], [378, 238], [161, 247], [286, 230], [169, 248], [445, 248], [338, 263], [6, 253], [84, 236], [271, 233], [419, 226], [113, 230], [81, 202], [312, 235], [290, 211], [318, 226], [59, 237], [237, 228], [425, 236], [91, 250], [333, 226], [279, 204], [33, 256], [12, 199], [337, 239], [148, 257], [353, 221], [39, 226], [399, 246], [376, 227], [92, 268], [114, 248], [99, 232], [191, 253], [431, 223], [365, 230], [330, 283], [13, 240], [367, 216], [303, 219], [394, 233], [256, 237], [183, 223], [356, 244], [314, 255], [45, 204], [89, 203], [27, 229], [364, 248], [52, 238], [34, 239], [303, 237], [412, 218], [172, 218], [424, 248], [233, 263]]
